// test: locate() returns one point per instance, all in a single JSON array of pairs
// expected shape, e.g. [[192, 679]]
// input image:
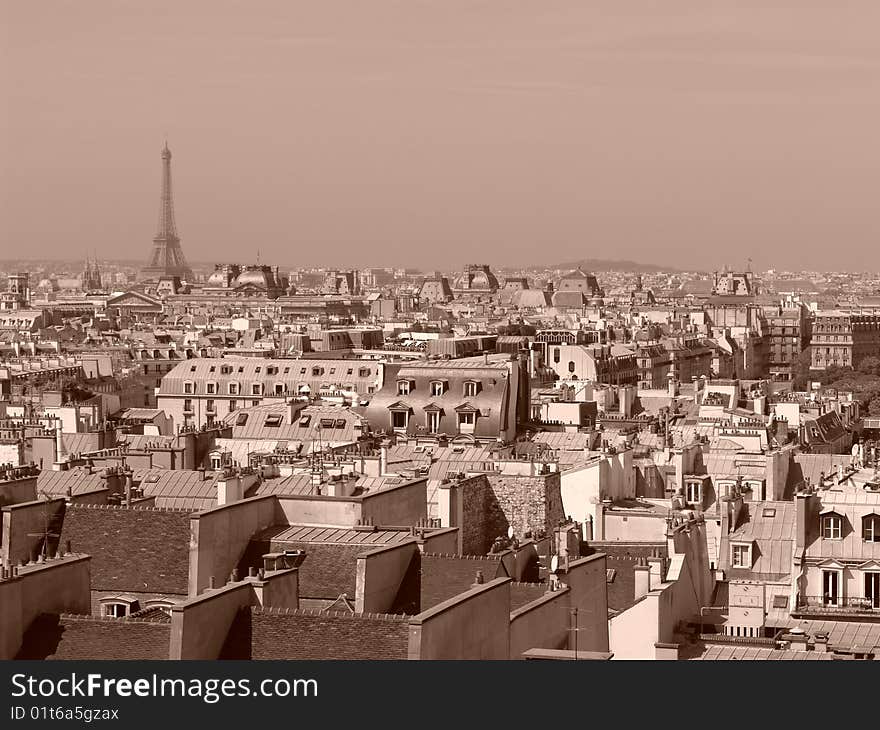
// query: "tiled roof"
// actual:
[[137, 550], [523, 593], [261, 634], [90, 637], [446, 576]]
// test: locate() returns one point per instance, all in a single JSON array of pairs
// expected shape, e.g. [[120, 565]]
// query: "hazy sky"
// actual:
[[432, 133]]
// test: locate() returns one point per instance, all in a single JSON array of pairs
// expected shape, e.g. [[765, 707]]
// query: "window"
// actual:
[[317, 371], [210, 388], [273, 420], [279, 388], [467, 419], [741, 556], [233, 388], [470, 388], [350, 371], [768, 512], [832, 527], [304, 421], [209, 405], [187, 404], [571, 366], [433, 421], [326, 423], [694, 493], [399, 419], [780, 601], [556, 355], [403, 387], [242, 419], [257, 389], [364, 373], [116, 610], [233, 405], [255, 402], [188, 387], [437, 387], [302, 371], [871, 528]]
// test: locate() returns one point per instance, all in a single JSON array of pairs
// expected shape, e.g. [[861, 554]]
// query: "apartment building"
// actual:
[[206, 390]]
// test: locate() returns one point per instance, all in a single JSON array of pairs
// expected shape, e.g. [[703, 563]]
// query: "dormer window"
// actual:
[[279, 388], [257, 389], [871, 528], [694, 492], [471, 388], [404, 387], [234, 388], [364, 373], [438, 387], [189, 387], [317, 372], [211, 388], [832, 527], [741, 555]]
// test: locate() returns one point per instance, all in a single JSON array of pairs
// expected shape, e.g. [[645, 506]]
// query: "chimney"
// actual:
[[383, 458], [478, 579], [807, 509], [642, 576]]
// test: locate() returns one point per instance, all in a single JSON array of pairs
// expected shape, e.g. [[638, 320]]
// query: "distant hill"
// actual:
[[612, 265]]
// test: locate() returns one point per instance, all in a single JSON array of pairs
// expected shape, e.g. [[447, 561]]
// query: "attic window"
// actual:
[[403, 387], [741, 555], [327, 423], [317, 371], [350, 371], [364, 373], [192, 368], [116, 610], [471, 387], [273, 420], [302, 371], [780, 601], [304, 421], [242, 419], [211, 369], [768, 512], [832, 527], [258, 369], [609, 575], [241, 368], [286, 370], [340, 423]]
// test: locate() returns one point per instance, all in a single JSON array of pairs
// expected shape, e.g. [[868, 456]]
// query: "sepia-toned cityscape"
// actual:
[[465, 331]]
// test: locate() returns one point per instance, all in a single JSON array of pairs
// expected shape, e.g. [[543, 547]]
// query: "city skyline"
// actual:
[[343, 135]]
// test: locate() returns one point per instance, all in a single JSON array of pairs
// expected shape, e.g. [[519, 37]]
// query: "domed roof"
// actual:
[[253, 277], [218, 278]]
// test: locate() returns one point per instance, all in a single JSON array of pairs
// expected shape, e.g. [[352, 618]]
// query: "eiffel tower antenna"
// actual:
[[167, 257]]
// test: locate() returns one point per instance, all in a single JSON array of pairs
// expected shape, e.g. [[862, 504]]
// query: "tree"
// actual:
[[874, 407], [870, 365]]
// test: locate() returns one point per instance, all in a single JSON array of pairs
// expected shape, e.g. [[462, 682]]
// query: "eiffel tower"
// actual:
[[167, 257]]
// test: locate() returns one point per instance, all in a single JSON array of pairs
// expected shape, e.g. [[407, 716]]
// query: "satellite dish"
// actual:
[[554, 563], [510, 533]]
